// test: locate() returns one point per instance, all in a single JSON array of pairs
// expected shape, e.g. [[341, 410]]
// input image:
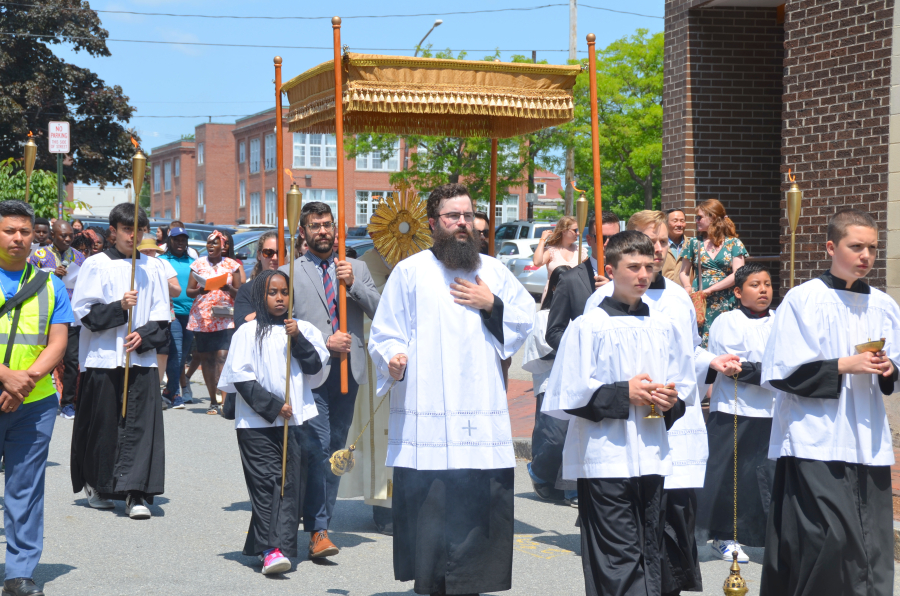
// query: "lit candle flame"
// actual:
[[29, 134], [790, 176], [135, 143], [578, 189]]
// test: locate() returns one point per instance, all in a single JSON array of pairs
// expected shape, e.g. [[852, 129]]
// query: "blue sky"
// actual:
[[184, 80]]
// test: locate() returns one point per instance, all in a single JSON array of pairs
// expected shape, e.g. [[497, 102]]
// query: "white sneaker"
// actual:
[[95, 501], [725, 548], [135, 508]]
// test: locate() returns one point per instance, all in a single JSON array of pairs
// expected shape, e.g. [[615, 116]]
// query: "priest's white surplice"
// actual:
[[596, 350], [814, 323], [687, 437], [266, 364], [102, 280], [449, 412], [735, 333]]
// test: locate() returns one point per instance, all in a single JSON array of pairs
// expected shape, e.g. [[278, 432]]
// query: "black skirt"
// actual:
[[213, 341], [453, 530], [715, 517]]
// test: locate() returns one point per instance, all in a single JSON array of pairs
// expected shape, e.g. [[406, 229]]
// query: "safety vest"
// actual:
[[32, 333]]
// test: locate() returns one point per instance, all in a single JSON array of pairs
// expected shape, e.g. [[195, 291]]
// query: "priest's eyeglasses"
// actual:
[[453, 216], [315, 227]]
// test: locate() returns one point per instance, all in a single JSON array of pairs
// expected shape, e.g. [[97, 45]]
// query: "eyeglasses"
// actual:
[[268, 252], [469, 216], [315, 227]]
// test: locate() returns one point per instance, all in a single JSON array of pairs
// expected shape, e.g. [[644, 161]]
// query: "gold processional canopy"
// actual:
[[430, 96]]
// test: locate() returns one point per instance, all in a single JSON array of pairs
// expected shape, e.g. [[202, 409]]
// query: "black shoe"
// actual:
[[547, 492], [21, 586], [384, 520]]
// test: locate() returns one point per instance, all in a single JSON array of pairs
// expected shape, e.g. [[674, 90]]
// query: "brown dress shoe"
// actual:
[[320, 545]]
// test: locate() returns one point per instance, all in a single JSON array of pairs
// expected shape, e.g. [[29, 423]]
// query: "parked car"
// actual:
[[518, 230], [532, 277], [513, 249], [358, 232]]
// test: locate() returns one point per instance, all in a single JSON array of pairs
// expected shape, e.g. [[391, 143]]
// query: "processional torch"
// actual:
[[138, 166], [30, 154], [581, 213], [293, 203], [793, 197]]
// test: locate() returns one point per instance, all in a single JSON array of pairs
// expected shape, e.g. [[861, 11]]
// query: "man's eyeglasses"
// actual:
[[453, 216], [268, 252], [315, 227]]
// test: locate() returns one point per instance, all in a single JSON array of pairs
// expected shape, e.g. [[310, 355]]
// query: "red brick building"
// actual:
[[233, 176], [756, 87]]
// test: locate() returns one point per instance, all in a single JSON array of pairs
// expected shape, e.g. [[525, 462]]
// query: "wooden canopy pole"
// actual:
[[493, 214], [279, 167], [339, 133], [595, 148]]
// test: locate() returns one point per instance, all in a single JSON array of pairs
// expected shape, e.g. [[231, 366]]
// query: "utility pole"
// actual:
[[570, 151], [530, 205]]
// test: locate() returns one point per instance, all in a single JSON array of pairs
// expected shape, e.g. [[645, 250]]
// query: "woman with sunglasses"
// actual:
[[213, 330]]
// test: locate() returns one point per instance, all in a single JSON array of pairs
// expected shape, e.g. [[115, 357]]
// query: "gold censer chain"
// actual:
[[735, 453]]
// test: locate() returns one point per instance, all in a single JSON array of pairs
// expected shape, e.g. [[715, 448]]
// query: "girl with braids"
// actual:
[[255, 370]]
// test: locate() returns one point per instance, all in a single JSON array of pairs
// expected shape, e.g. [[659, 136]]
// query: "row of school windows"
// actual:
[[311, 151]]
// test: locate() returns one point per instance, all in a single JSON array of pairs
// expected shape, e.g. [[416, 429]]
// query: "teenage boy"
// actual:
[[613, 363], [116, 458], [743, 333], [829, 527]]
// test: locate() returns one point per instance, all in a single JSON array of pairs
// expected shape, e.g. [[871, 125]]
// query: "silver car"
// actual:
[[532, 276]]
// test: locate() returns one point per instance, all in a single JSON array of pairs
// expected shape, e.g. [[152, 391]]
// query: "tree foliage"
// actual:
[[629, 103], [42, 194], [37, 87]]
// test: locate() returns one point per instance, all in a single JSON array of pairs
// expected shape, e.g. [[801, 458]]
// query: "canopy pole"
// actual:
[[339, 133], [493, 214], [279, 167], [595, 149]]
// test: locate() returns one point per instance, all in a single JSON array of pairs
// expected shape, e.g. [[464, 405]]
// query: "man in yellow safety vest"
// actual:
[[34, 317]]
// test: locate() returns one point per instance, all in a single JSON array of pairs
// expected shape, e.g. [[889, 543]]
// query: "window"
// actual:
[[315, 151], [156, 214], [254, 156], [200, 199], [155, 178], [168, 214], [540, 188], [505, 232], [510, 208], [254, 205], [378, 161], [270, 152], [329, 197], [177, 167], [243, 194], [242, 152], [366, 201], [167, 175], [200, 154], [177, 207], [271, 210]]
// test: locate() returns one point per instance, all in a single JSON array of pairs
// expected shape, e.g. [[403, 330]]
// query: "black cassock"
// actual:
[[453, 530], [681, 563]]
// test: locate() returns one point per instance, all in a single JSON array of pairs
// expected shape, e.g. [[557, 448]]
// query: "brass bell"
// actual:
[[734, 583]]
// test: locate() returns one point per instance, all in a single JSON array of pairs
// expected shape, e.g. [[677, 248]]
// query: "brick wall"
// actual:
[[837, 110], [218, 173], [183, 187]]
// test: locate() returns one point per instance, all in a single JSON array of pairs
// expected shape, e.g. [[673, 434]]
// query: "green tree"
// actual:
[[629, 102], [42, 194], [36, 86]]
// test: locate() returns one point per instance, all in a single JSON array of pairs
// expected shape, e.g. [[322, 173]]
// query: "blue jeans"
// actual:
[[24, 445], [179, 349], [321, 436]]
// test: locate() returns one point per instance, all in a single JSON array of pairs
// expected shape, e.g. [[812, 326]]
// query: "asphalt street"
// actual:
[[192, 545]]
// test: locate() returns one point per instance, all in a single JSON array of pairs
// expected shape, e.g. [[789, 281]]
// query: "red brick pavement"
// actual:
[[520, 400]]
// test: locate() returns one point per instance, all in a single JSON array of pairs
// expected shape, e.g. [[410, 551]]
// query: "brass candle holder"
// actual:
[[30, 155], [793, 197], [138, 167], [293, 204], [871, 346], [581, 213]]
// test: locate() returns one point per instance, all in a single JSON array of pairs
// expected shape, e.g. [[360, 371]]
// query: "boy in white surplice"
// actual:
[[613, 364], [829, 529]]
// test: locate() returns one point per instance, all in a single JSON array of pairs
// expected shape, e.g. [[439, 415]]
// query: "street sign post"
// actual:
[[60, 144]]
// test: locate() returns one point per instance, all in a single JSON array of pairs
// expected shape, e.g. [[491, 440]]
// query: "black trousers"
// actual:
[[547, 441], [70, 367], [622, 533]]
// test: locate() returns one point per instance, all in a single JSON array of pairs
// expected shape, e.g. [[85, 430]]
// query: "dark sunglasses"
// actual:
[[268, 252]]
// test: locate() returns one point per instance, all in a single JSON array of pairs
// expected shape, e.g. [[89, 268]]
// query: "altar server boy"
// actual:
[[613, 363], [743, 333], [829, 529], [256, 371]]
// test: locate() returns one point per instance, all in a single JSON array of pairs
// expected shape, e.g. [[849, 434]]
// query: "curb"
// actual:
[[522, 449], [896, 540]]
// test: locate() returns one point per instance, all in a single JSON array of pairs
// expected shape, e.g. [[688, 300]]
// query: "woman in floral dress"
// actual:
[[721, 253], [211, 331]]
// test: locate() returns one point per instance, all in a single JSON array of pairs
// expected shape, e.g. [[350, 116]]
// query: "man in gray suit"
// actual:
[[317, 275]]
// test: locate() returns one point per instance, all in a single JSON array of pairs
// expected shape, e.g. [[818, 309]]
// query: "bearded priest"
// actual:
[[449, 436]]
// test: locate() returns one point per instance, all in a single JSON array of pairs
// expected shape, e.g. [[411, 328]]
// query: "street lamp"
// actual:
[[437, 23]]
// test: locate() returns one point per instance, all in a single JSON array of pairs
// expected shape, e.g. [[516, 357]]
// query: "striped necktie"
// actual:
[[329, 296]]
